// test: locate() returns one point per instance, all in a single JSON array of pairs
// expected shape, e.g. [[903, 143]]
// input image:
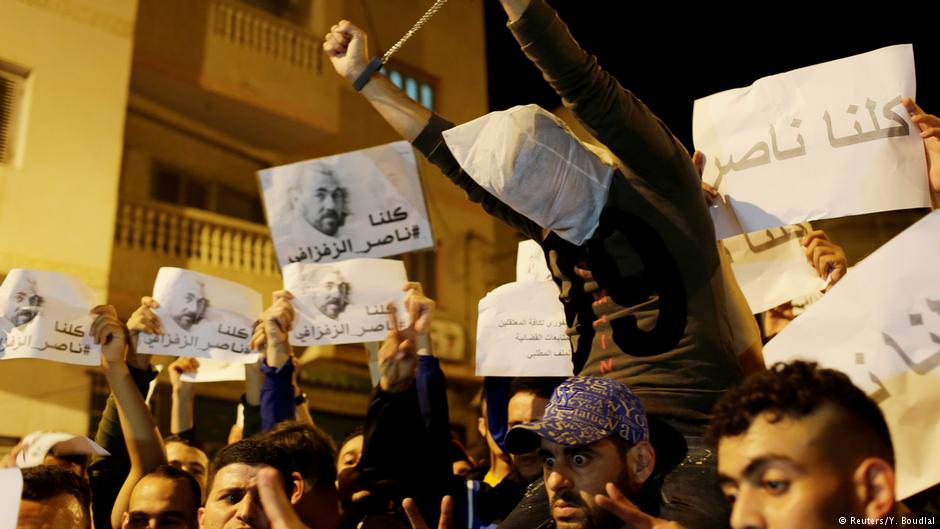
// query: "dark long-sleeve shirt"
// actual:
[[644, 298]]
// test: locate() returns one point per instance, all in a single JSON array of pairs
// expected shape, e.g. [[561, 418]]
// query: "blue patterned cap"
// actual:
[[584, 410]]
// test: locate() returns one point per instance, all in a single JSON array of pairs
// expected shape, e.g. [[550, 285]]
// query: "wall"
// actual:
[[58, 200]]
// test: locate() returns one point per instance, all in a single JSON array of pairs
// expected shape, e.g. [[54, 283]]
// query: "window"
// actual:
[[172, 185], [12, 84], [169, 184], [417, 85]]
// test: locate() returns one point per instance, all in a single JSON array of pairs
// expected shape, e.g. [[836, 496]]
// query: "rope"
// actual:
[[438, 4]]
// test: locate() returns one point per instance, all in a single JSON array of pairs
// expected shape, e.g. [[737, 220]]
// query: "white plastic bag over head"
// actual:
[[532, 162]]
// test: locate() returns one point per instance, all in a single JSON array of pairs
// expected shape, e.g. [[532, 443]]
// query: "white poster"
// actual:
[[202, 316], [11, 490], [47, 315], [881, 326], [521, 332], [771, 267], [35, 446], [215, 371], [344, 302], [366, 203], [530, 262], [825, 141]]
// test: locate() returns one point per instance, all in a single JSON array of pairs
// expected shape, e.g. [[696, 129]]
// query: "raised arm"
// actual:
[[612, 114], [277, 388], [144, 444], [184, 393], [347, 47]]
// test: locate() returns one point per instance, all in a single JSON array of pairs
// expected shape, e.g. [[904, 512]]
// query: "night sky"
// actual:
[[669, 56]]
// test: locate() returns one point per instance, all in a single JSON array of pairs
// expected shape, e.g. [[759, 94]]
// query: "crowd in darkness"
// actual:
[[671, 420]]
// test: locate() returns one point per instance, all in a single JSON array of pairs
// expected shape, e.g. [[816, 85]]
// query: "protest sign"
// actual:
[[11, 490], [366, 203], [825, 141], [530, 262], [215, 371], [344, 302], [202, 316], [35, 446], [881, 326], [771, 267], [521, 332], [47, 315]]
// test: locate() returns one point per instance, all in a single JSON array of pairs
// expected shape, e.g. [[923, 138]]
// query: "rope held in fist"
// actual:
[[377, 62]]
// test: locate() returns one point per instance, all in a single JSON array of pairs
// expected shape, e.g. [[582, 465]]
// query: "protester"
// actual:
[[782, 455], [53, 497], [594, 431], [233, 499], [647, 328], [313, 454], [165, 497]]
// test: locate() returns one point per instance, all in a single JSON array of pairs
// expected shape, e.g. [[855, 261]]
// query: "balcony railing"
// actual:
[[195, 236], [239, 24]]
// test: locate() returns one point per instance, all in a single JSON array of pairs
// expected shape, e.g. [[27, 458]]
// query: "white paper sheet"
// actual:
[[11, 490], [530, 262], [825, 141], [531, 161], [36, 445], [881, 326], [46, 315], [215, 371], [360, 204], [771, 267], [344, 302], [203, 317], [521, 332]]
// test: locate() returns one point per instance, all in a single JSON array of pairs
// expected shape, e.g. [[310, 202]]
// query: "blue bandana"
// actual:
[[584, 410]]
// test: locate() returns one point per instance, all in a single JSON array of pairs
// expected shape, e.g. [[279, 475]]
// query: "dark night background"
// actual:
[[670, 55]]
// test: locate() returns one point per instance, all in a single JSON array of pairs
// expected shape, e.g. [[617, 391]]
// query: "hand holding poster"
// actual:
[[521, 332], [46, 315], [366, 203], [202, 316], [770, 266], [881, 326], [825, 141], [344, 302]]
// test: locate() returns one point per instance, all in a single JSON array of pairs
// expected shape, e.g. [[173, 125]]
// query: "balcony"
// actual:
[[237, 69], [152, 234]]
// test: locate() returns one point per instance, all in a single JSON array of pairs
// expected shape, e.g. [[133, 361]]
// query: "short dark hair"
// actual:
[[172, 473], [795, 390], [355, 432], [48, 481], [312, 451], [542, 387], [188, 439], [253, 452]]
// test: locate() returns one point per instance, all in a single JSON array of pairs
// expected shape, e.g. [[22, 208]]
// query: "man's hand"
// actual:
[[143, 319], [712, 198], [347, 47], [277, 507], [929, 126], [417, 521], [398, 353], [183, 364], [108, 331], [626, 510], [270, 334], [421, 311], [825, 256]]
